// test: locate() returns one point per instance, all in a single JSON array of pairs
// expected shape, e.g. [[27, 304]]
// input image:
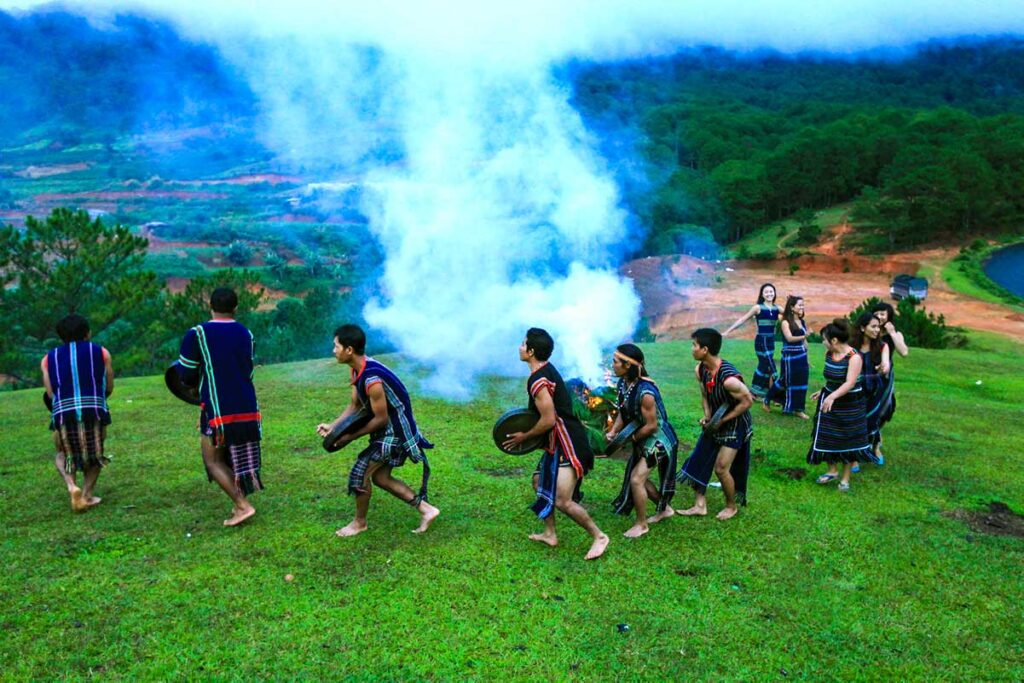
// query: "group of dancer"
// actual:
[[858, 397], [217, 356]]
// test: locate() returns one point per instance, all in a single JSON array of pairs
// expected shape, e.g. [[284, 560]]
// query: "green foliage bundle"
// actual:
[[920, 327]]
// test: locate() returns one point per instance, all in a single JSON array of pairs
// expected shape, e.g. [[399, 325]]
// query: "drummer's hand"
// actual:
[[514, 439], [323, 429]]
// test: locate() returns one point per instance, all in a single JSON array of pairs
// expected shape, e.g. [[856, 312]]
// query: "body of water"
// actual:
[[1006, 268]]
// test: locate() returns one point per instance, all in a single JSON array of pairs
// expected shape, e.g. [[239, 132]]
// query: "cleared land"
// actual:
[[889, 582]]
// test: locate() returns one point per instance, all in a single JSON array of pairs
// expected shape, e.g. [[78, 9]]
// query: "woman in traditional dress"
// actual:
[[840, 432], [655, 443], [767, 315], [867, 340], [791, 389], [893, 339]]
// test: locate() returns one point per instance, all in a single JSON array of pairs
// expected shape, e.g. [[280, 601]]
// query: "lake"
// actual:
[[1006, 268]]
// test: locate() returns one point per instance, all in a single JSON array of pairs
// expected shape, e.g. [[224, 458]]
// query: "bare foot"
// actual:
[[93, 501], [351, 529], [428, 515], [550, 540], [803, 416], [239, 515], [767, 407], [727, 513], [597, 548], [77, 499], [664, 514], [695, 511], [636, 531]]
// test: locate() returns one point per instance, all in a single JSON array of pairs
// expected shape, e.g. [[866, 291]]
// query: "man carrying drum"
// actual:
[[218, 356], [567, 456], [654, 442], [394, 436], [725, 445]]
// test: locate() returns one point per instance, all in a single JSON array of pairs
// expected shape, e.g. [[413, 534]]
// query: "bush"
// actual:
[[919, 327], [239, 253]]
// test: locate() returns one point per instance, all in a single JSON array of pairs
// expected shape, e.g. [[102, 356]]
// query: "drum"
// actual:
[[621, 447], [351, 424], [517, 420], [714, 423], [186, 393]]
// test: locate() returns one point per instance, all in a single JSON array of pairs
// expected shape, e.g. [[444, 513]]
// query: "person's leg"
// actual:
[[722, 465], [92, 473], [358, 524], [565, 487], [700, 506], [60, 461], [216, 463], [400, 490], [548, 536], [844, 483], [638, 487]]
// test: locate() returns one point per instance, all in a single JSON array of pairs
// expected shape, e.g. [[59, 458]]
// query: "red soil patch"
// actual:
[[676, 298], [254, 179], [117, 195], [34, 172]]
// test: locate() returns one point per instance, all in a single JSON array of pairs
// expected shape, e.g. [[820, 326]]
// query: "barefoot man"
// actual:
[[394, 436], [724, 447], [78, 377], [567, 456], [218, 356], [654, 443]]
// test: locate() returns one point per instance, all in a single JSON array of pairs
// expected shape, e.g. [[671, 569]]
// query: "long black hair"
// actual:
[[858, 336], [633, 351], [789, 315], [760, 293]]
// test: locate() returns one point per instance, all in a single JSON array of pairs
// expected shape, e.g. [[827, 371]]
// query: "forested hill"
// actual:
[[708, 145], [60, 73], [931, 145]]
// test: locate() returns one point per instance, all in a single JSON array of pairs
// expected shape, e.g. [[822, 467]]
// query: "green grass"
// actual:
[[967, 276], [879, 584], [764, 242]]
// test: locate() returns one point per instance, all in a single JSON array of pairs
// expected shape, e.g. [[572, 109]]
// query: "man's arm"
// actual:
[[649, 411], [546, 407], [43, 365], [703, 397], [108, 366], [323, 429], [738, 390]]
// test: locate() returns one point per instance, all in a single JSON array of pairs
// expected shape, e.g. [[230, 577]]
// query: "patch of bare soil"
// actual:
[[33, 172], [117, 195], [680, 293], [998, 520]]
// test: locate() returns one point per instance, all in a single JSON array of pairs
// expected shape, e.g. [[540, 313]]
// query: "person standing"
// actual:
[[791, 389], [79, 377], [655, 443], [767, 315], [567, 456], [724, 447], [217, 355]]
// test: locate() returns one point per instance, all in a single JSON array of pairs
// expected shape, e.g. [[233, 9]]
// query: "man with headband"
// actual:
[[567, 456], [654, 443]]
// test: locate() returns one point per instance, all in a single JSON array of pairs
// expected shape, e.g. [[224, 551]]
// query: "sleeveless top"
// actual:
[[835, 372], [767, 317], [739, 427], [78, 376]]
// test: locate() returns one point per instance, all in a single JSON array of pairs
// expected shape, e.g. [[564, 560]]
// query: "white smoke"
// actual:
[[500, 216]]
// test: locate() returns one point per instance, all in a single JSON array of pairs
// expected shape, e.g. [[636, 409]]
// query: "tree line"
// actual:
[[71, 263], [927, 147]]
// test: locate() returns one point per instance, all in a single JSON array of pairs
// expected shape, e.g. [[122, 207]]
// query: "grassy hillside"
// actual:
[[806, 583]]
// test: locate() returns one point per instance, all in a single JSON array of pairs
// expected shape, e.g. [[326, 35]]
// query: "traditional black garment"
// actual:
[[764, 347], [840, 435], [567, 440], [659, 450], [791, 389], [396, 441], [78, 377], [735, 433]]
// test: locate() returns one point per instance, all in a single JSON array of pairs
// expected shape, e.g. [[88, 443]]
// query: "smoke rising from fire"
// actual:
[[482, 186]]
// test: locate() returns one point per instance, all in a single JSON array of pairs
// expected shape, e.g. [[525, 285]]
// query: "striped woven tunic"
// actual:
[[658, 450], [764, 346], [791, 389], [840, 435], [79, 379]]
